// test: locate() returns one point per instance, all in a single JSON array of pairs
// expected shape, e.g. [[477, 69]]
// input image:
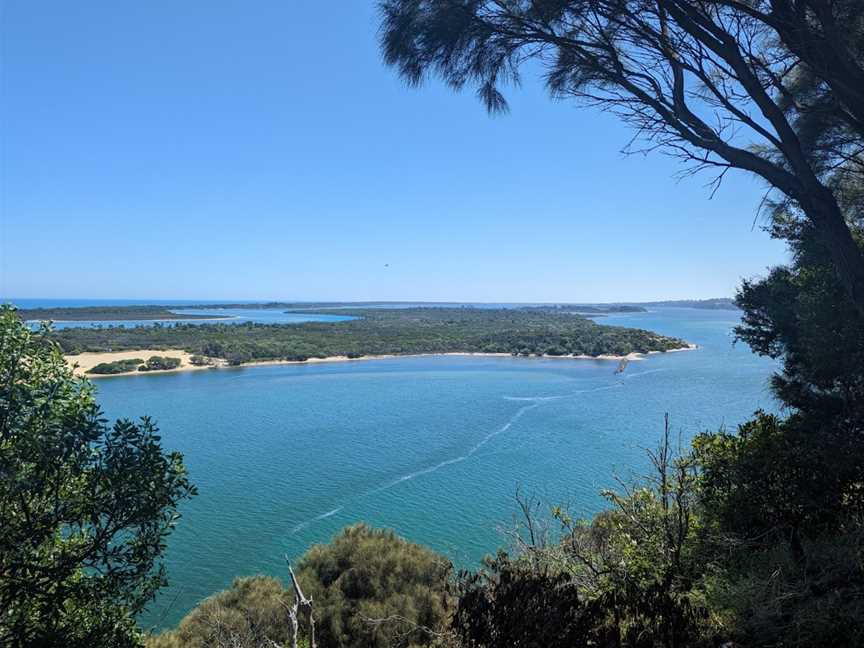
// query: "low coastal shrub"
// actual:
[[160, 363], [252, 612], [200, 361], [369, 587], [116, 367]]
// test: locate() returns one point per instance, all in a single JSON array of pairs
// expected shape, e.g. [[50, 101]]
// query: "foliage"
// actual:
[[250, 614], [783, 530], [160, 363], [118, 366], [372, 588], [200, 361], [383, 332], [369, 587], [782, 498], [510, 604], [86, 508], [630, 577]]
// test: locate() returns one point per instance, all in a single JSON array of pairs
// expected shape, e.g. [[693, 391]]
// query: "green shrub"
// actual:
[[118, 366], [372, 588], [369, 587], [160, 363], [251, 613]]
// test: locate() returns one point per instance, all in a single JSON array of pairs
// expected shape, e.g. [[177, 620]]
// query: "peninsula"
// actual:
[[378, 332]]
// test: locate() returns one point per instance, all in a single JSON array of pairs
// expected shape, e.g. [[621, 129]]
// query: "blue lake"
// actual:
[[434, 447]]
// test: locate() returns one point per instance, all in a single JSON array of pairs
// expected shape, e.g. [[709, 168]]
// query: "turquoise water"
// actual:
[[434, 447]]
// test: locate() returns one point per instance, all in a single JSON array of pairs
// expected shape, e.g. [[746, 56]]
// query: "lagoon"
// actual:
[[434, 447]]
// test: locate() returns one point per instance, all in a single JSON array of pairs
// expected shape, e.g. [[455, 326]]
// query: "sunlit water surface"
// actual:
[[434, 447]]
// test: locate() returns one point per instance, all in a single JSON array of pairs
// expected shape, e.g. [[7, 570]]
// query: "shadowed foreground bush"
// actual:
[[370, 588], [251, 613]]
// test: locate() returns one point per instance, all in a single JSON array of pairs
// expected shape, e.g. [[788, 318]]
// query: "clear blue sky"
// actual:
[[261, 150]]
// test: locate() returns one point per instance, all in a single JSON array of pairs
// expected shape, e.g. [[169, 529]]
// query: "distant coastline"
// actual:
[[81, 363], [369, 333]]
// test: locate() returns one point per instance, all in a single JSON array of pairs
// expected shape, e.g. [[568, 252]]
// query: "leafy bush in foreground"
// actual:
[[250, 614], [369, 587], [85, 507]]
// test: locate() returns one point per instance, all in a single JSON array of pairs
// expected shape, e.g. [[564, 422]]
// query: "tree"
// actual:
[[85, 507], [781, 497], [371, 588], [367, 588], [252, 613], [696, 79]]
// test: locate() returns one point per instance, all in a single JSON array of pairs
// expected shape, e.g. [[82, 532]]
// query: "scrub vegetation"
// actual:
[[397, 331]]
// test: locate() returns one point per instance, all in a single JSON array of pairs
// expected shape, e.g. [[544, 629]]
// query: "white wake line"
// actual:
[[305, 524], [543, 399], [536, 401], [424, 471], [449, 462], [642, 373]]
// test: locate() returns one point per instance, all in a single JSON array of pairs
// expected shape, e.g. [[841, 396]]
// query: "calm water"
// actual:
[[220, 316], [284, 456]]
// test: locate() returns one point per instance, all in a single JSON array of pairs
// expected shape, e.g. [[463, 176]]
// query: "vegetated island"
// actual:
[[376, 332], [108, 313], [716, 303]]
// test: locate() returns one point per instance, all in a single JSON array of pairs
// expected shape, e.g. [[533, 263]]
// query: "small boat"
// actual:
[[622, 365]]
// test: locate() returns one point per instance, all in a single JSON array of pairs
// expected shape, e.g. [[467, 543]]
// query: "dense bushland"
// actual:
[[383, 332]]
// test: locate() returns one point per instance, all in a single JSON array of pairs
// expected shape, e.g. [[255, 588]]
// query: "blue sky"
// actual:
[[261, 150]]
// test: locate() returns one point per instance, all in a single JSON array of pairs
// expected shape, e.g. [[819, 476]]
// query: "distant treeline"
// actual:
[[592, 309], [164, 312], [382, 332], [718, 303], [97, 313]]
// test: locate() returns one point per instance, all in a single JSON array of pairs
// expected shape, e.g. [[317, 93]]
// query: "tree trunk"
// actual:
[[846, 254]]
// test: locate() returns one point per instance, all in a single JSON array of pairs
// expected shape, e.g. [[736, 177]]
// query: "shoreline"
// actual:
[[93, 358]]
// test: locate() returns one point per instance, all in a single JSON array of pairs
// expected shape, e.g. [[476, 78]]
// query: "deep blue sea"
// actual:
[[434, 447]]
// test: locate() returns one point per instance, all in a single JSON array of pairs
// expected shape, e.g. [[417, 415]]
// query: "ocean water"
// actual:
[[434, 447]]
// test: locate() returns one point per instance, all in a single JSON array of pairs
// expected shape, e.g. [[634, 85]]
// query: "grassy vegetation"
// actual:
[[383, 331]]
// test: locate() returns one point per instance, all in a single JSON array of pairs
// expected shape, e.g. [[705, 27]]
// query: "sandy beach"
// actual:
[[81, 363]]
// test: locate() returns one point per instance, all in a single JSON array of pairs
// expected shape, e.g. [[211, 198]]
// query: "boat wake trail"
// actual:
[[305, 524], [431, 469], [471, 452], [532, 402], [641, 373], [533, 399]]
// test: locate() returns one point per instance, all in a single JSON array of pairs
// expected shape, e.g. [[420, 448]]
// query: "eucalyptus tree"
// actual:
[[771, 87]]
